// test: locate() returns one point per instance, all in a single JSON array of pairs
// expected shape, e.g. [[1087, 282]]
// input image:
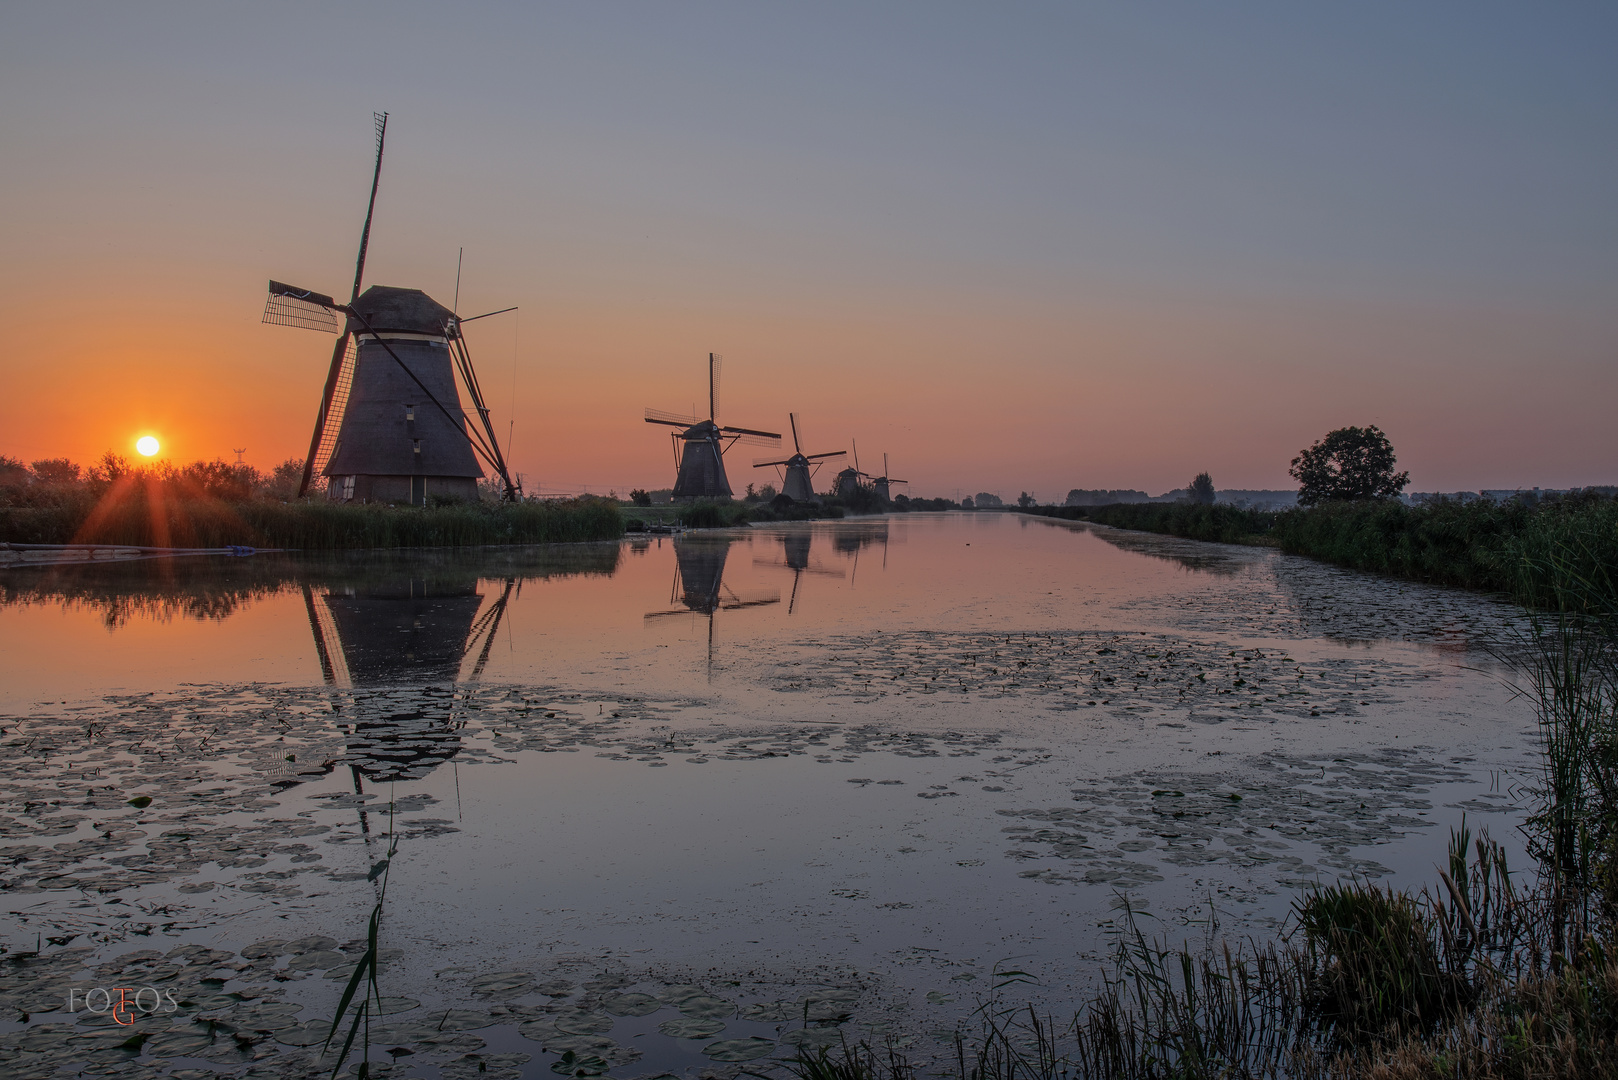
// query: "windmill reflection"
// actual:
[[408, 638], [849, 539], [796, 546], [699, 584]]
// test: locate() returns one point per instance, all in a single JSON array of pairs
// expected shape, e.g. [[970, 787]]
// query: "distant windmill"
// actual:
[[390, 426], [699, 450], [800, 467], [849, 479], [880, 483]]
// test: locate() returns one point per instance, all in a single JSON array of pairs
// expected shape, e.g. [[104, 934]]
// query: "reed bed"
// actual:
[[163, 519]]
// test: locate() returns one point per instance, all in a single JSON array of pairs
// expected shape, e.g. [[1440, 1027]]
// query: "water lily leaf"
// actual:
[[312, 1033], [739, 1049], [770, 1012], [583, 1023], [141, 802], [687, 1028], [457, 1020], [502, 984], [703, 1007], [631, 1004], [813, 1038]]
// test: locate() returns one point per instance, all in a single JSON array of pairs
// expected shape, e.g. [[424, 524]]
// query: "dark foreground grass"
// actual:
[[131, 517]]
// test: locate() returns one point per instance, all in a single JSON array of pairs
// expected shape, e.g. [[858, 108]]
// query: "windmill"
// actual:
[[700, 461], [390, 426], [880, 483], [848, 481], [801, 467]]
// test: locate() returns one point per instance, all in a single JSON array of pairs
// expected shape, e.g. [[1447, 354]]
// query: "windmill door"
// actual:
[[418, 491]]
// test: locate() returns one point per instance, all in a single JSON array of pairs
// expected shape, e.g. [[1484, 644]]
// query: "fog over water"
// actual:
[[690, 801]]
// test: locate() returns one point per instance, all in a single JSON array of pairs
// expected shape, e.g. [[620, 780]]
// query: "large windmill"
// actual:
[[800, 467], [880, 483], [699, 450], [390, 426]]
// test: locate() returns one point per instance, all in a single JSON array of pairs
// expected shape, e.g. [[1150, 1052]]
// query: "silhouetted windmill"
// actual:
[[700, 464], [800, 467], [880, 483], [390, 426], [849, 479]]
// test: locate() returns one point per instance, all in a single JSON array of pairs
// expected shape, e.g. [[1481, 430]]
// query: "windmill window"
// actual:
[[418, 445], [410, 412], [348, 487]]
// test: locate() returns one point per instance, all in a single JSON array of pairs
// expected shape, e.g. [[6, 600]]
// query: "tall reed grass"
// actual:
[[135, 516]]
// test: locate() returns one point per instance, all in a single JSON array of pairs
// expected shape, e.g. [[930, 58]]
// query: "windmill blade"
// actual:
[[381, 122], [749, 431], [765, 463], [288, 305], [829, 453], [469, 376], [792, 418], [716, 366], [896, 480], [663, 416], [333, 400]]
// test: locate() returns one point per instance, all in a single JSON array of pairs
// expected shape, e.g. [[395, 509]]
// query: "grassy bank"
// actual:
[[131, 517], [1475, 545]]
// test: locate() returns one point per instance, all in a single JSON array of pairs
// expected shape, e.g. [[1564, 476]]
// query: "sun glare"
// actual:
[[146, 445]]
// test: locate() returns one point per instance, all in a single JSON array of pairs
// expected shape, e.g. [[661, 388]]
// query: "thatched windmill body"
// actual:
[[699, 449], [390, 426], [849, 480], [797, 482]]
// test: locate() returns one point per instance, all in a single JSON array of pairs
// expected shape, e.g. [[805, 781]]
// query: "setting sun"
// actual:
[[146, 445]]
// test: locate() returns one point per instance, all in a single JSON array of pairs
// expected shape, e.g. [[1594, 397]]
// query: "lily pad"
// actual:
[[771, 1012], [312, 1033], [457, 1020], [687, 1028], [739, 1049], [319, 960], [813, 1038], [503, 984], [631, 1004], [704, 1007], [583, 1023]]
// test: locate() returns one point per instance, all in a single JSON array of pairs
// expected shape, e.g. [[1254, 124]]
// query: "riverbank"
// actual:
[[1484, 546], [309, 525]]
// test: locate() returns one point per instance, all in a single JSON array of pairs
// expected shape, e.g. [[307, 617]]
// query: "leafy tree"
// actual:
[[967, 504], [284, 480], [12, 471], [986, 499], [56, 471], [640, 497], [1025, 500], [767, 492], [1349, 463], [1202, 489]]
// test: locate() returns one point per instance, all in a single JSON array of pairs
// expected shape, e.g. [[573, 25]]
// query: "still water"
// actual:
[[685, 803]]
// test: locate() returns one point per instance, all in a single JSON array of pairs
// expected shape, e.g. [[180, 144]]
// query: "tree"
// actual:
[[640, 497], [1025, 500], [986, 499], [967, 504], [56, 471], [1202, 490], [1349, 463], [284, 480]]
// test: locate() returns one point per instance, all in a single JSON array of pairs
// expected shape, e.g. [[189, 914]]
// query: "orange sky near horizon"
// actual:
[[1002, 287]]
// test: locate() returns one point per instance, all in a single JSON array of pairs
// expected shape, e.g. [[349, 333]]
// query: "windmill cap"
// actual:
[[403, 311]]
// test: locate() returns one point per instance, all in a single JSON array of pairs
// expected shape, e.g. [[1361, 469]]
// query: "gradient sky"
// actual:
[[1018, 247]]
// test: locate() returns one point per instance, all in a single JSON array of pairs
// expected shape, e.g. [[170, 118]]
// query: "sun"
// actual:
[[146, 445]]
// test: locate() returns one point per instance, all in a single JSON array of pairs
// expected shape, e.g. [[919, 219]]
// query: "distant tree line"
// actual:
[[51, 481]]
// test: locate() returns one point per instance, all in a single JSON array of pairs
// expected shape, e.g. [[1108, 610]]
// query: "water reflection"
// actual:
[[796, 549], [699, 583]]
